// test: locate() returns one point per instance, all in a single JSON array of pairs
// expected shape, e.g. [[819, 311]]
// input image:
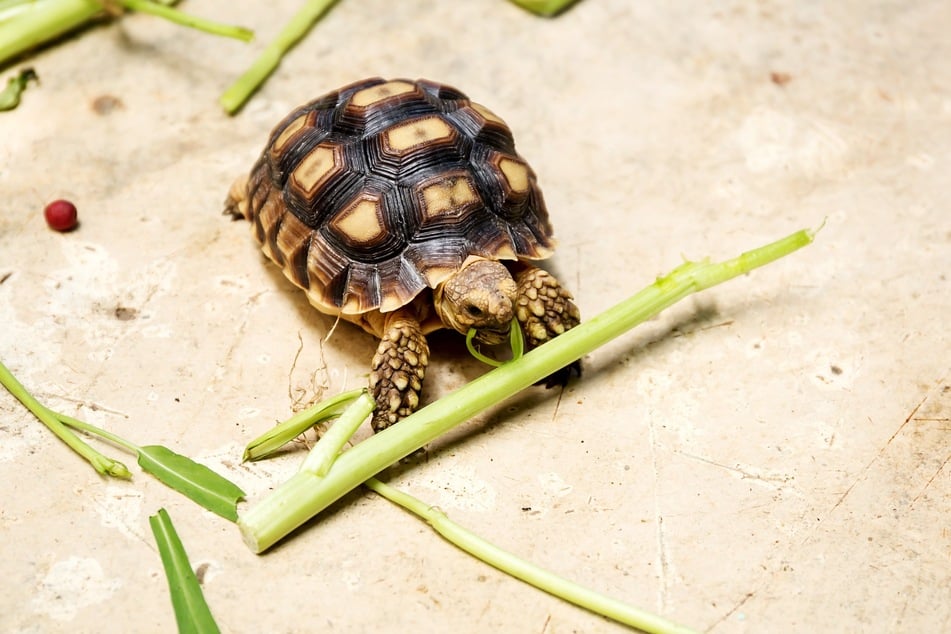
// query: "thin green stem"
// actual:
[[101, 463], [269, 59], [75, 423], [330, 445], [191, 21], [278, 436], [516, 344], [293, 504], [526, 571], [470, 336]]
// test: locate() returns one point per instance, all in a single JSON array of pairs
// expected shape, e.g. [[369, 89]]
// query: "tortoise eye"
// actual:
[[473, 310]]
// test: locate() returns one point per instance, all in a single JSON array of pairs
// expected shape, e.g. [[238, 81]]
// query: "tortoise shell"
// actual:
[[377, 191]]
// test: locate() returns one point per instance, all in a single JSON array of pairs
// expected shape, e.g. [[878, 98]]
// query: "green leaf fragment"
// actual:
[[16, 85], [194, 480], [191, 610]]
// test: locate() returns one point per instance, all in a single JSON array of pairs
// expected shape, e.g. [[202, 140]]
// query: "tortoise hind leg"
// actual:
[[236, 204], [545, 309], [398, 369]]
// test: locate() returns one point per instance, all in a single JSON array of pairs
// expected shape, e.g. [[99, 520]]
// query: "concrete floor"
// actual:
[[771, 455]]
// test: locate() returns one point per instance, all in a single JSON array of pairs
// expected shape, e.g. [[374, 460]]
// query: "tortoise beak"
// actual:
[[493, 336]]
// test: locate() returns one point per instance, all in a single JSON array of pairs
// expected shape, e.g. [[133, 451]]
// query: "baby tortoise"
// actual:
[[403, 207]]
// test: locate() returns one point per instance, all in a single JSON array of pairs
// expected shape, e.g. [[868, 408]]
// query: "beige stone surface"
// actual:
[[771, 455]]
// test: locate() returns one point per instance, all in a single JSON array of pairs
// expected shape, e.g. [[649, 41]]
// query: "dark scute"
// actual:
[[337, 288], [488, 134], [445, 97]]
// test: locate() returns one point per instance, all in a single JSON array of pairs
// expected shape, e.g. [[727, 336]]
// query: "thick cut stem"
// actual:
[[305, 495], [43, 22]]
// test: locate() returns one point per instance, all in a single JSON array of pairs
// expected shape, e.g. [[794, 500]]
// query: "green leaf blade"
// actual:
[[191, 610], [196, 481]]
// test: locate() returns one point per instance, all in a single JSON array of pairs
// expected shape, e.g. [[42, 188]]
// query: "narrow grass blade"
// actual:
[[191, 611], [528, 572], [194, 480]]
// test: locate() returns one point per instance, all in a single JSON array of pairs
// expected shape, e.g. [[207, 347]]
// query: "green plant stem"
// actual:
[[101, 463], [516, 345], [42, 22], [269, 59], [191, 21], [304, 495], [29, 25], [75, 423], [330, 445], [278, 436], [519, 568]]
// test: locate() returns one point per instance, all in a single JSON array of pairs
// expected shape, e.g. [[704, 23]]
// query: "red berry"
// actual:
[[61, 215]]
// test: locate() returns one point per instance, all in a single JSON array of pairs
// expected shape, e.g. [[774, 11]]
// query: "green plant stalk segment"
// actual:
[[191, 610], [516, 345], [43, 21], [519, 568], [279, 435], [27, 25], [269, 59], [330, 445], [102, 464], [190, 21], [304, 495], [192, 479]]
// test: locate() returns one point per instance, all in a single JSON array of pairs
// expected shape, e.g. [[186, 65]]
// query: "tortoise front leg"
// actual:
[[545, 309], [398, 369], [544, 306]]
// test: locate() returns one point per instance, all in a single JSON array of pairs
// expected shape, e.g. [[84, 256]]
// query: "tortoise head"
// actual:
[[480, 295]]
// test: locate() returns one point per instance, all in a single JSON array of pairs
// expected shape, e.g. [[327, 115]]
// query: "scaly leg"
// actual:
[[545, 310], [398, 369]]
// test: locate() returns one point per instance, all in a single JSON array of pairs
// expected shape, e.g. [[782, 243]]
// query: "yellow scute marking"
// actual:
[[315, 168], [448, 195], [380, 92], [487, 114], [403, 137], [361, 222], [291, 129], [515, 173]]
